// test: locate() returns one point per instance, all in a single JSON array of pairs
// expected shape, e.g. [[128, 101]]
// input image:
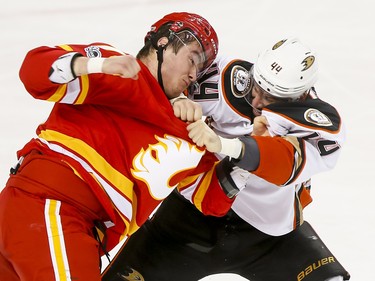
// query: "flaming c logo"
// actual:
[[157, 164]]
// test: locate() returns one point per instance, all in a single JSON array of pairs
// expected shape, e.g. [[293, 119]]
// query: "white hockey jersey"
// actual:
[[313, 126]]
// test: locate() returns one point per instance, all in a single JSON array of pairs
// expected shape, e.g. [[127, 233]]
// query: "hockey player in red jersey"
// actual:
[[264, 237], [108, 154]]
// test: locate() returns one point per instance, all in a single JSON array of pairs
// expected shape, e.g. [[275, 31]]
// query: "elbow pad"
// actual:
[[61, 71]]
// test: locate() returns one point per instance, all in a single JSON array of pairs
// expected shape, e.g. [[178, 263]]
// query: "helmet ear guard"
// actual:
[[154, 36], [287, 70]]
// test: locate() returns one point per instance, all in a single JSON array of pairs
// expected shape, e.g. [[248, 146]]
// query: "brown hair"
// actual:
[[164, 31]]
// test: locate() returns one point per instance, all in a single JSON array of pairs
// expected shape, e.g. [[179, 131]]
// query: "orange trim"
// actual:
[[303, 125], [225, 93]]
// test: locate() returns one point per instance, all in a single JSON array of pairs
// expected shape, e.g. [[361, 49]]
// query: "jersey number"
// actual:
[[325, 147], [207, 90]]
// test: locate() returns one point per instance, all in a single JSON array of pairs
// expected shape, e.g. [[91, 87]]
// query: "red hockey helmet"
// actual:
[[198, 26]]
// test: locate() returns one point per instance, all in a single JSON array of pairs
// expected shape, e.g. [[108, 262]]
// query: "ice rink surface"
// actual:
[[342, 33]]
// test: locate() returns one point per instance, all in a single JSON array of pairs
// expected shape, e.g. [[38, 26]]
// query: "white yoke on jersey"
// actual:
[[275, 210], [230, 115]]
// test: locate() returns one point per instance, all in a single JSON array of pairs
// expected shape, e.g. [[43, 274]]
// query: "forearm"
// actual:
[[84, 65], [271, 158], [243, 151], [249, 157]]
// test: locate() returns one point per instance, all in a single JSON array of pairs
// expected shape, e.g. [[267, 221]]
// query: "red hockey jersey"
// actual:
[[121, 137]]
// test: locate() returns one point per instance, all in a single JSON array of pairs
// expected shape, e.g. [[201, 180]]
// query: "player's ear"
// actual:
[[162, 41]]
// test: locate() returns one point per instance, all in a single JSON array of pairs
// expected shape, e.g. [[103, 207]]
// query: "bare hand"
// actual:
[[126, 66], [260, 127], [187, 110], [202, 135]]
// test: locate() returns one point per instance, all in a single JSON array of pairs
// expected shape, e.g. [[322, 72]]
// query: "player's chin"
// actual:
[[182, 87], [257, 112]]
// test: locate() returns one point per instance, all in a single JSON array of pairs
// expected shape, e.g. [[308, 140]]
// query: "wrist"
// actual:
[[95, 65], [231, 147], [250, 156]]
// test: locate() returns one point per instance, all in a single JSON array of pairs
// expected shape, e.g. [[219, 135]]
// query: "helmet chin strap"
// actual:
[[159, 53]]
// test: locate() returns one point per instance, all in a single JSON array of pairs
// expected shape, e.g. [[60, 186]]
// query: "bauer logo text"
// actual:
[[315, 266]]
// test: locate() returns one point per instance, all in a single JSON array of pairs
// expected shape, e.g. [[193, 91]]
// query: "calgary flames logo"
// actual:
[[157, 165]]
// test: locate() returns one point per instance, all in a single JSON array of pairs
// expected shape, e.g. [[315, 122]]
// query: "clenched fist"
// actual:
[[187, 110], [202, 135], [125, 66], [260, 127]]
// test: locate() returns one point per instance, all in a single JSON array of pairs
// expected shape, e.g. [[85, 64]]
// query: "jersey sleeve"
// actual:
[[308, 139], [277, 159], [124, 95], [204, 190], [98, 88]]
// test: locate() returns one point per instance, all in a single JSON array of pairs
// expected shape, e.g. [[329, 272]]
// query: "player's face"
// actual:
[[180, 69], [260, 99]]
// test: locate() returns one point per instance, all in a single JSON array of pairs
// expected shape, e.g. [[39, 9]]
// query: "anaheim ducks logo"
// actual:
[[314, 116], [241, 82], [278, 44], [131, 275], [159, 163], [308, 62]]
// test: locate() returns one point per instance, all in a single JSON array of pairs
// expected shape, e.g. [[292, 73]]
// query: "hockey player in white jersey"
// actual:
[[282, 80], [264, 236]]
